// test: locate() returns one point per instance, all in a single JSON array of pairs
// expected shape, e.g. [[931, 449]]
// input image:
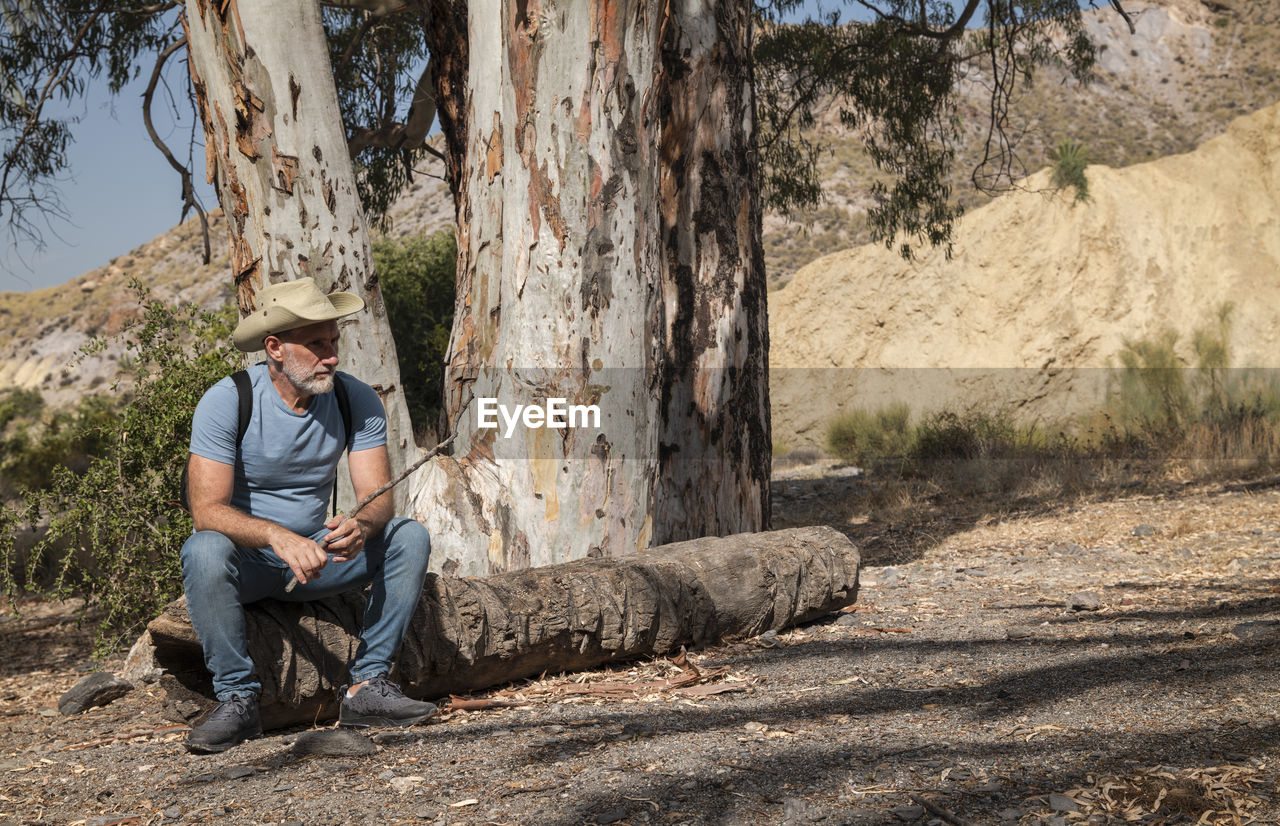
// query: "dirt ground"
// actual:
[[1095, 662]]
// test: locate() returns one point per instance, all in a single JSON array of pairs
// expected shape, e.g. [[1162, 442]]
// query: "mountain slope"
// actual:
[[1038, 288]]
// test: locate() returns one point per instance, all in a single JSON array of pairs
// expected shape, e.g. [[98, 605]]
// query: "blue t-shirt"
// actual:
[[287, 461]]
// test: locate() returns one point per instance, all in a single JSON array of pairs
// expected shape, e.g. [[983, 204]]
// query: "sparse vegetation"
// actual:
[[1170, 416], [115, 530], [1069, 161], [873, 438]]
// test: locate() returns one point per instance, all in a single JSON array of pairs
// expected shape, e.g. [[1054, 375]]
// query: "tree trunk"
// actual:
[[470, 634], [277, 154], [602, 161]]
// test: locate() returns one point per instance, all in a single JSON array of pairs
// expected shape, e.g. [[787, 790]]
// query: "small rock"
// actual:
[[889, 576], [1062, 803], [689, 785], [1145, 530], [387, 775], [907, 813], [1256, 629], [793, 807], [173, 813], [204, 777], [612, 815], [98, 689], [769, 635], [1010, 815], [1055, 820], [425, 812], [140, 664], [1084, 601], [236, 772], [111, 820], [848, 619], [334, 742], [404, 785]]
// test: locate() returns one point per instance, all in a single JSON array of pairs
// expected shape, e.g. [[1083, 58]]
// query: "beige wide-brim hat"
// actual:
[[288, 306]]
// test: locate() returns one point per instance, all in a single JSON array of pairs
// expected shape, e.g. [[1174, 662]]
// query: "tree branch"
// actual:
[[189, 199], [57, 77], [922, 29], [1124, 15], [408, 136]]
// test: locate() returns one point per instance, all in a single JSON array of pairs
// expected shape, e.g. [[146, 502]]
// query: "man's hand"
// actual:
[[304, 556], [345, 539]]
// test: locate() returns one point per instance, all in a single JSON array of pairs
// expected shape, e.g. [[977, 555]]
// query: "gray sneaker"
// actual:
[[230, 724], [381, 703]]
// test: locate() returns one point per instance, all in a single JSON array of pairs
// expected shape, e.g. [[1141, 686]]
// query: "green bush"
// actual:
[[417, 277], [119, 521], [866, 438], [1069, 161], [1153, 386], [20, 404], [34, 447], [948, 436]]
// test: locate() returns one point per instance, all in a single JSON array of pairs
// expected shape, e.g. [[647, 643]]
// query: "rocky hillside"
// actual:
[[1041, 291], [1191, 68]]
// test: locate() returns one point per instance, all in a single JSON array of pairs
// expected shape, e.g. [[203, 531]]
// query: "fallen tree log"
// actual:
[[473, 633]]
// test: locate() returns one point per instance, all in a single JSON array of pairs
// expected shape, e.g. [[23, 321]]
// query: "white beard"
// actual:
[[306, 382]]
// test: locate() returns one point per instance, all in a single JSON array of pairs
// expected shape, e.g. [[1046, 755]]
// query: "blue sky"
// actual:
[[120, 192]]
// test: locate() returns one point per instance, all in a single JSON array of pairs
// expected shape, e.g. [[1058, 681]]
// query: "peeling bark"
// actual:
[[276, 152], [602, 161], [470, 634]]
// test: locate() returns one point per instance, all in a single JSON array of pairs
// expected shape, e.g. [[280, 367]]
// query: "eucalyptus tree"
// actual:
[[609, 161]]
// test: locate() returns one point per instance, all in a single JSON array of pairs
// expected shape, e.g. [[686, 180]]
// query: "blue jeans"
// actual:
[[221, 578]]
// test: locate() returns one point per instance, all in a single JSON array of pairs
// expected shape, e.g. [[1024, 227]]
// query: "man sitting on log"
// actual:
[[258, 494]]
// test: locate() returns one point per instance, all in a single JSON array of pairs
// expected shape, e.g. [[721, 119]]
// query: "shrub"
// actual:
[[1069, 161], [1153, 389], [417, 277], [20, 404], [33, 448], [120, 519], [867, 438]]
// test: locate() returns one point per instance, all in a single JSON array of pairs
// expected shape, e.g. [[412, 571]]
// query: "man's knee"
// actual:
[[205, 555], [410, 541]]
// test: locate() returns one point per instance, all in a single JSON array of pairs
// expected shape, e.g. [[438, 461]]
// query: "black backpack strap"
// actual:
[[244, 391], [244, 388], [344, 407]]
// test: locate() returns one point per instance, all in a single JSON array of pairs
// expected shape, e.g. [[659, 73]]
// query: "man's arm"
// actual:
[[370, 470], [209, 486]]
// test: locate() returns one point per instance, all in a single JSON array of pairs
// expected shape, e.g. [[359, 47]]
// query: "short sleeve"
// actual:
[[213, 427], [368, 418]]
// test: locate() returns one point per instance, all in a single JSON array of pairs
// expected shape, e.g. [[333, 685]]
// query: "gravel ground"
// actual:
[[1105, 663]]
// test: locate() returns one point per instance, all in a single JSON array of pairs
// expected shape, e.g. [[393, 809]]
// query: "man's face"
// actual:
[[311, 357]]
